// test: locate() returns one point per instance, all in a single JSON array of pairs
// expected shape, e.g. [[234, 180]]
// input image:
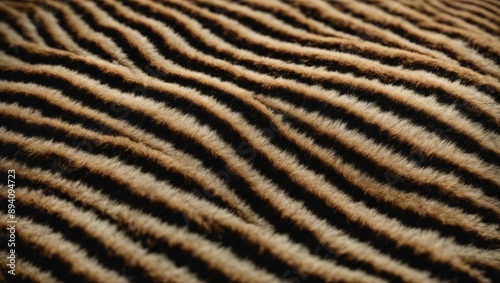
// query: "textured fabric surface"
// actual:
[[250, 141]]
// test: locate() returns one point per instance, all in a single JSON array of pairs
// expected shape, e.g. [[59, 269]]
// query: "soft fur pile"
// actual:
[[251, 141]]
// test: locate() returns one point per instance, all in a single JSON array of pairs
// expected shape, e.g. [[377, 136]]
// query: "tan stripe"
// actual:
[[442, 151], [13, 37], [315, 26], [154, 265], [291, 210], [461, 17], [327, 189], [209, 182], [423, 241], [300, 170], [381, 51], [278, 25], [409, 200], [419, 11], [57, 33], [386, 74], [222, 46], [404, 200], [18, 29], [489, 258], [411, 76], [52, 244], [382, 123], [340, 239], [216, 257], [411, 98], [385, 36], [181, 159], [28, 271], [398, 93], [85, 31], [482, 7], [27, 26], [223, 147], [200, 211], [455, 162], [55, 97], [492, 4], [438, 40]]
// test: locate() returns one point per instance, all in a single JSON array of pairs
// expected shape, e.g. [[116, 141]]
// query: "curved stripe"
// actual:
[[311, 25], [145, 225], [252, 73], [196, 175], [195, 209], [156, 266], [38, 236], [266, 151], [480, 7], [419, 16], [387, 73], [482, 42], [369, 50], [30, 272], [291, 141], [58, 34], [453, 47], [335, 18], [37, 119], [338, 129], [440, 112], [28, 29], [80, 27], [361, 249], [268, 190], [466, 20]]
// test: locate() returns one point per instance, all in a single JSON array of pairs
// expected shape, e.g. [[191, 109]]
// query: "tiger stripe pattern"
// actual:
[[250, 141]]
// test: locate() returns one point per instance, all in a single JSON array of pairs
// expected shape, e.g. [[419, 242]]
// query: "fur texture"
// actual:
[[251, 141]]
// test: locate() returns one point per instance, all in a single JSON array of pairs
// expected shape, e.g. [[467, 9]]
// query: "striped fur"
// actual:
[[252, 141]]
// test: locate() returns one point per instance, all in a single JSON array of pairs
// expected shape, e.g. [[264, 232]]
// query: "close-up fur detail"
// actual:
[[250, 141]]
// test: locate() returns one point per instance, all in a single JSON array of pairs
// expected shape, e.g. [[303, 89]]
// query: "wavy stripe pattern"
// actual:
[[251, 141]]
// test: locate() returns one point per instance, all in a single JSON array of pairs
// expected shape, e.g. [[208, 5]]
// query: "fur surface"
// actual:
[[251, 141]]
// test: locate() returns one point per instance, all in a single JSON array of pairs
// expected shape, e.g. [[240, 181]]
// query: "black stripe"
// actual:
[[221, 126], [361, 93], [427, 122], [126, 155], [217, 165], [24, 99], [174, 253], [289, 20], [323, 210], [10, 20], [120, 193], [484, 50], [478, 5], [43, 32], [82, 42], [422, 41], [468, 20], [59, 269], [92, 246]]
